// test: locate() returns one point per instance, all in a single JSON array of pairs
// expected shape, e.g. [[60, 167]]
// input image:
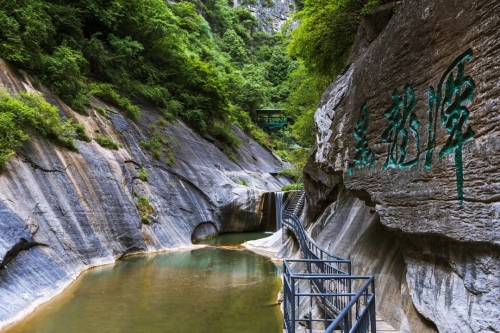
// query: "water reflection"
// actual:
[[214, 289]]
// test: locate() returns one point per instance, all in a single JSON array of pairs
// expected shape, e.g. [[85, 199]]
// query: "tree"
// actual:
[[234, 46]]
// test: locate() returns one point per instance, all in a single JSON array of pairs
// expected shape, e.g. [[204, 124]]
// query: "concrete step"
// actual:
[[383, 327]]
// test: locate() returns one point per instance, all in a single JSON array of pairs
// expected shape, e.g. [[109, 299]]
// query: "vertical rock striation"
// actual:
[[85, 205]]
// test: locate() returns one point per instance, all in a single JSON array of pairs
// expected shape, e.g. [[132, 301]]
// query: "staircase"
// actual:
[[295, 203]]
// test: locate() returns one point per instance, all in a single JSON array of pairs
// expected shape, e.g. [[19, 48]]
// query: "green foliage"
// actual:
[[196, 119], [27, 114], [144, 174], [305, 128], [252, 89], [322, 44], [161, 123], [159, 146], [11, 135], [326, 32], [242, 119], [108, 94], [202, 61], [107, 142], [224, 134], [261, 137], [168, 116], [81, 134], [372, 4], [234, 46], [144, 208], [102, 111], [63, 74], [293, 187], [243, 183], [248, 2], [298, 159], [306, 90], [267, 3], [292, 172]]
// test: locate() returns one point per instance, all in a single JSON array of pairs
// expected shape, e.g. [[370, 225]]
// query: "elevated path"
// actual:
[[320, 294]]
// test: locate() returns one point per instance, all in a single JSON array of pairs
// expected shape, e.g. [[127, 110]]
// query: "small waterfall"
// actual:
[[278, 198]]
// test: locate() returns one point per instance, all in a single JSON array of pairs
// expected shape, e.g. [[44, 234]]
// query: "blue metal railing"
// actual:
[[323, 280], [310, 250], [361, 307]]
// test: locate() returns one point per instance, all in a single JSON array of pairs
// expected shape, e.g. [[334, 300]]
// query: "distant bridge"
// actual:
[[271, 119]]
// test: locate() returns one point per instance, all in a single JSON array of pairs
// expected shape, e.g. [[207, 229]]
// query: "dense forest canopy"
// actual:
[[321, 42], [204, 61]]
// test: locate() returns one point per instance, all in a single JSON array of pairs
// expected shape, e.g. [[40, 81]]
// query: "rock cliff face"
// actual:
[[271, 15], [83, 205], [404, 179]]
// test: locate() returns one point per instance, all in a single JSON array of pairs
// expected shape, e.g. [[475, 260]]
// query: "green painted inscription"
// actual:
[[449, 100], [364, 155], [401, 114], [448, 103]]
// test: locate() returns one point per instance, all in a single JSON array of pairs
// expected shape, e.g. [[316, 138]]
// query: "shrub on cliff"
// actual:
[[107, 142], [25, 115], [159, 145], [145, 209], [108, 94]]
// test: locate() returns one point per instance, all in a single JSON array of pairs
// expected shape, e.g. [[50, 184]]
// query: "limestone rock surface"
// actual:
[[84, 204], [411, 131]]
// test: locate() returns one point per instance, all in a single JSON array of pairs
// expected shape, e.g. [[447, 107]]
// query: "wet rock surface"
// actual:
[[84, 204], [409, 133]]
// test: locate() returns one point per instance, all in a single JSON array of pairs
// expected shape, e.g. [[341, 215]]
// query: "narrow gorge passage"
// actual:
[[218, 288]]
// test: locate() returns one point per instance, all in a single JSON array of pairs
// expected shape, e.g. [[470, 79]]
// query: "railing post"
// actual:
[[373, 319], [292, 287], [346, 327]]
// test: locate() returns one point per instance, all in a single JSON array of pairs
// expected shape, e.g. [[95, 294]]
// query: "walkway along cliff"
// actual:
[[320, 280]]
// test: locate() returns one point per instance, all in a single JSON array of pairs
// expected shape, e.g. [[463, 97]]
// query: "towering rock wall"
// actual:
[[404, 179], [83, 204]]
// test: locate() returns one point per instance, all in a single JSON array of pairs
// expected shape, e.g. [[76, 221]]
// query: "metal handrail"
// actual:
[[342, 319], [330, 279], [321, 268], [332, 292], [309, 248]]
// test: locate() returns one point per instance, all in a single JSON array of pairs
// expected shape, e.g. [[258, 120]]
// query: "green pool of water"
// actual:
[[220, 288]]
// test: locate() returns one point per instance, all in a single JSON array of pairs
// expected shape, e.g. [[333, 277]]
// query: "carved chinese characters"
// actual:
[[447, 103]]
